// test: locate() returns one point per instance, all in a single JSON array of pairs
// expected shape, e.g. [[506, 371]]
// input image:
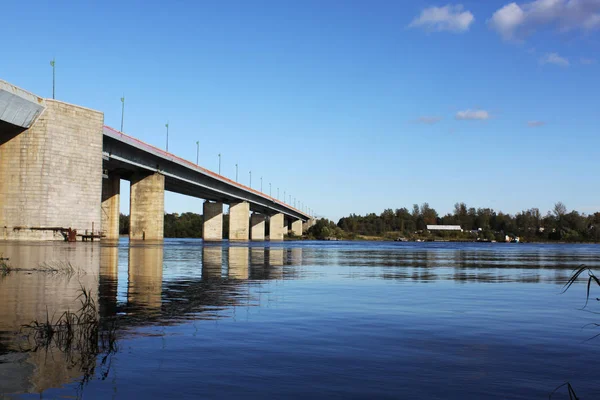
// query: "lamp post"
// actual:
[[294, 202], [270, 189], [277, 193], [284, 196], [250, 179], [236, 172], [167, 126], [122, 111], [197, 151], [219, 163], [53, 64], [261, 184]]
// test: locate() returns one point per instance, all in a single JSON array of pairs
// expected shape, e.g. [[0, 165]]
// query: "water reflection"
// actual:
[[178, 281]]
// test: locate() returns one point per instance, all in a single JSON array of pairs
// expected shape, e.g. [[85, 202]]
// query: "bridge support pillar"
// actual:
[[111, 190], [147, 207], [212, 227], [257, 225], [276, 227], [297, 227], [239, 221]]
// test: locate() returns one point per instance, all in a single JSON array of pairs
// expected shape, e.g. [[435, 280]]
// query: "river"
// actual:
[[302, 320]]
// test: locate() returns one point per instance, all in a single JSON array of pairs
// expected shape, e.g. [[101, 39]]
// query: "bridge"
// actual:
[[60, 169]]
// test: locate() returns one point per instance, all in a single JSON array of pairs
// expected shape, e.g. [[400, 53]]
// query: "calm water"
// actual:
[[305, 319]]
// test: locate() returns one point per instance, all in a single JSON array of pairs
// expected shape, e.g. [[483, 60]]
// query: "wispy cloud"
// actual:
[[451, 18], [470, 115], [513, 20], [554, 58], [587, 61], [535, 124], [428, 120]]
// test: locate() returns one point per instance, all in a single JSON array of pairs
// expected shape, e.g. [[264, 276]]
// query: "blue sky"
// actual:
[[350, 106]]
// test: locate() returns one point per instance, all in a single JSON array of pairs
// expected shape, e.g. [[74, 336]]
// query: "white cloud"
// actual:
[[554, 58], [587, 61], [448, 18], [514, 20], [472, 115], [535, 124], [428, 120]]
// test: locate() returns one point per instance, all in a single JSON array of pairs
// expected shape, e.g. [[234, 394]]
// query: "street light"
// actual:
[[261, 184], [219, 163], [270, 189], [167, 126], [122, 111], [53, 64], [250, 179], [284, 196], [197, 151], [277, 193], [236, 172]]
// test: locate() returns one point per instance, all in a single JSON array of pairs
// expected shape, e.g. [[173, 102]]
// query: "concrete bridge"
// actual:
[[60, 168]]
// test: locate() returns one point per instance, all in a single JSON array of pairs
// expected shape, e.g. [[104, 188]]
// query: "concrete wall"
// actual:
[[212, 226], [147, 207], [51, 174], [111, 195], [276, 227], [297, 227], [257, 227], [239, 221]]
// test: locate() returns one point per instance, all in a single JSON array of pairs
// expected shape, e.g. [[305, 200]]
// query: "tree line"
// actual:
[[531, 225]]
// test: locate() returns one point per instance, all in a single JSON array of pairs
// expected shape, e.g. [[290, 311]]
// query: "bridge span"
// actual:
[[60, 168]]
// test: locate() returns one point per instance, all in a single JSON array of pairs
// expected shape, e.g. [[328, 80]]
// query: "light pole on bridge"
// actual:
[[167, 126], [53, 64], [261, 184], [122, 111], [236, 172], [219, 163], [197, 151], [270, 190], [250, 179]]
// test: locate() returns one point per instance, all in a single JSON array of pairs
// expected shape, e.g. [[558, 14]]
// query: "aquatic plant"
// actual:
[[591, 278], [77, 335], [5, 269]]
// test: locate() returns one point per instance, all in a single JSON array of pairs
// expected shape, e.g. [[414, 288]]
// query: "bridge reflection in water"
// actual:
[[145, 285], [52, 274]]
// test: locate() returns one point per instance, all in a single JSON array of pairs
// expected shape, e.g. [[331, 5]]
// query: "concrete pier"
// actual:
[[257, 227], [212, 227], [239, 221], [276, 227], [111, 194], [297, 227], [147, 207]]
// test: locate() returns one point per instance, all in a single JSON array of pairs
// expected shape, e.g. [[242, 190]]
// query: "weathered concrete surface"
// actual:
[[276, 227], [212, 227], [297, 227], [51, 174], [239, 221], [111, 194], [147, 207], [19, 107], [257, 227]]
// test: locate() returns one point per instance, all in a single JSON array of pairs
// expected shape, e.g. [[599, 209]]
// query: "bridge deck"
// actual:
[[126, 155]]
